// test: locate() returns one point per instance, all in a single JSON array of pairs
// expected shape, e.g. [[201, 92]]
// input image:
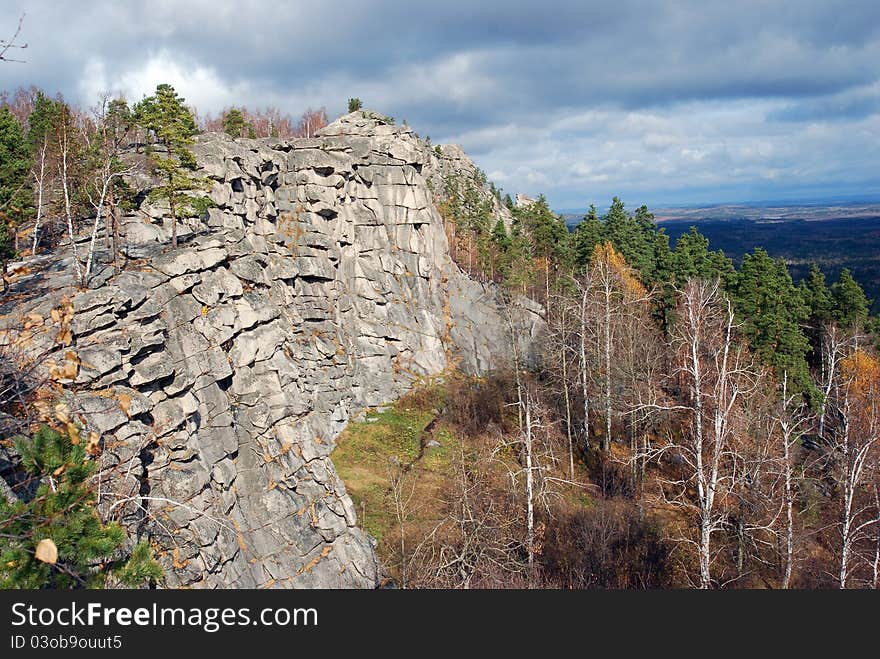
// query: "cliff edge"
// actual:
[[219, 374]]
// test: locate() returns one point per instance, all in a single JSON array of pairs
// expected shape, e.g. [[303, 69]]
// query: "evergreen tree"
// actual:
[[850, 304], [167, 117], [634, 236], [692, 258], [502, 245], [16, 201], [354, 104], [663, 281], [817, 296], [173, 124], [587, 234], [773, 311], [43, 120], [549, 238], [235, 125], [42, 137], [55, 539]]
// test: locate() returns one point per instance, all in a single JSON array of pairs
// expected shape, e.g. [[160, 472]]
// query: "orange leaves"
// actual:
[[861, 374], [124, 401], [67, 369], [65, 316], [46, 551], [610, 262], [33, 324], [862, 371], [93, 444], [32, 320], [73, 433]]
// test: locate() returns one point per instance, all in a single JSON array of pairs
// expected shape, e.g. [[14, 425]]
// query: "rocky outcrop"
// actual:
[[451, 171], [219, 374]]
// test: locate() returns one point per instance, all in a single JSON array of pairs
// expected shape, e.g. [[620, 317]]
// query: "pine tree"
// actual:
[[502, 245], [587, 234], [42, 120], [167, 117], [55, 539], [692, 258], [663, 280], [817, 297], [235, 124], [43, 126], [173, 124], [850, 304], [16, 202], [549, 238], [773, 312]]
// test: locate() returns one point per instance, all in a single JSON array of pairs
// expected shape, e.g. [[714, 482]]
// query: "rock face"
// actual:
[[523, 201], [220, 373]]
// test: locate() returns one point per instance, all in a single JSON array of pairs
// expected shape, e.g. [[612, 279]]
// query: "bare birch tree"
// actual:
[[855, 455], [716, 374]]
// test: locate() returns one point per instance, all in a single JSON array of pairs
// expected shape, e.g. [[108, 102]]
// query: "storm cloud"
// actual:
[[655, 102]]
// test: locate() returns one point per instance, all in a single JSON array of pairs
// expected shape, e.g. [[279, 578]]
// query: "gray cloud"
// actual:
[[657, 102]]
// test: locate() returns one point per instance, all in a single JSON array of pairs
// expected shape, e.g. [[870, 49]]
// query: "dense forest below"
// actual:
[[833, 240], [833, 244]]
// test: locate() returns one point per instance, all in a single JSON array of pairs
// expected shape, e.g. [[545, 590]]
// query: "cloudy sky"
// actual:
[[657, 102]]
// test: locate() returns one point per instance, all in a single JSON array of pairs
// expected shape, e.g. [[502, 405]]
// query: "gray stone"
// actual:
[[154, 367], [182, 261]]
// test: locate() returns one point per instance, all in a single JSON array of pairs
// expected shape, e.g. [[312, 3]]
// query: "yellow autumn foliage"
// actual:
[[608, 258], [862, 371]]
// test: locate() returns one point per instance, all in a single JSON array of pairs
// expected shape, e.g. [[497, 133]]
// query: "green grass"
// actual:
[[368, 451]]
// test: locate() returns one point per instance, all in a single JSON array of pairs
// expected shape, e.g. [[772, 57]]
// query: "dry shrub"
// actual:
[[608, 545], [475, 405]]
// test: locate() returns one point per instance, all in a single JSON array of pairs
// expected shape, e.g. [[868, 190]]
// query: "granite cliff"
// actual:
[[219, 374]]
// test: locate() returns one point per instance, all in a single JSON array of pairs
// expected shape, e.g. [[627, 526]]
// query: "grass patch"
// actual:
[[370, 452]]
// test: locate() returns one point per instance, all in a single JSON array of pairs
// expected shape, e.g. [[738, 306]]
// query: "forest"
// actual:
[[688, 423]]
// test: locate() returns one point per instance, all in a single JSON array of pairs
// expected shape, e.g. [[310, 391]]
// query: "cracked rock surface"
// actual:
[[220, 373]]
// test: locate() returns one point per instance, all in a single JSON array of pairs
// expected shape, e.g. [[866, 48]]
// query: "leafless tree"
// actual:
[[479, 540], [108, 170], [311, 121], [716, 374], [402, 490], [791, 422], [854, 455], [7, 45]]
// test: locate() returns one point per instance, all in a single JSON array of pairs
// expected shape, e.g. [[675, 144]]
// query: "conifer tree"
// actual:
[[587, 234], [55, 539], [817, 297], [15, 194], [692, 258], [235, 124], [773, 312], [166, 116], [43, 124], [502, 245], [850, 304]]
